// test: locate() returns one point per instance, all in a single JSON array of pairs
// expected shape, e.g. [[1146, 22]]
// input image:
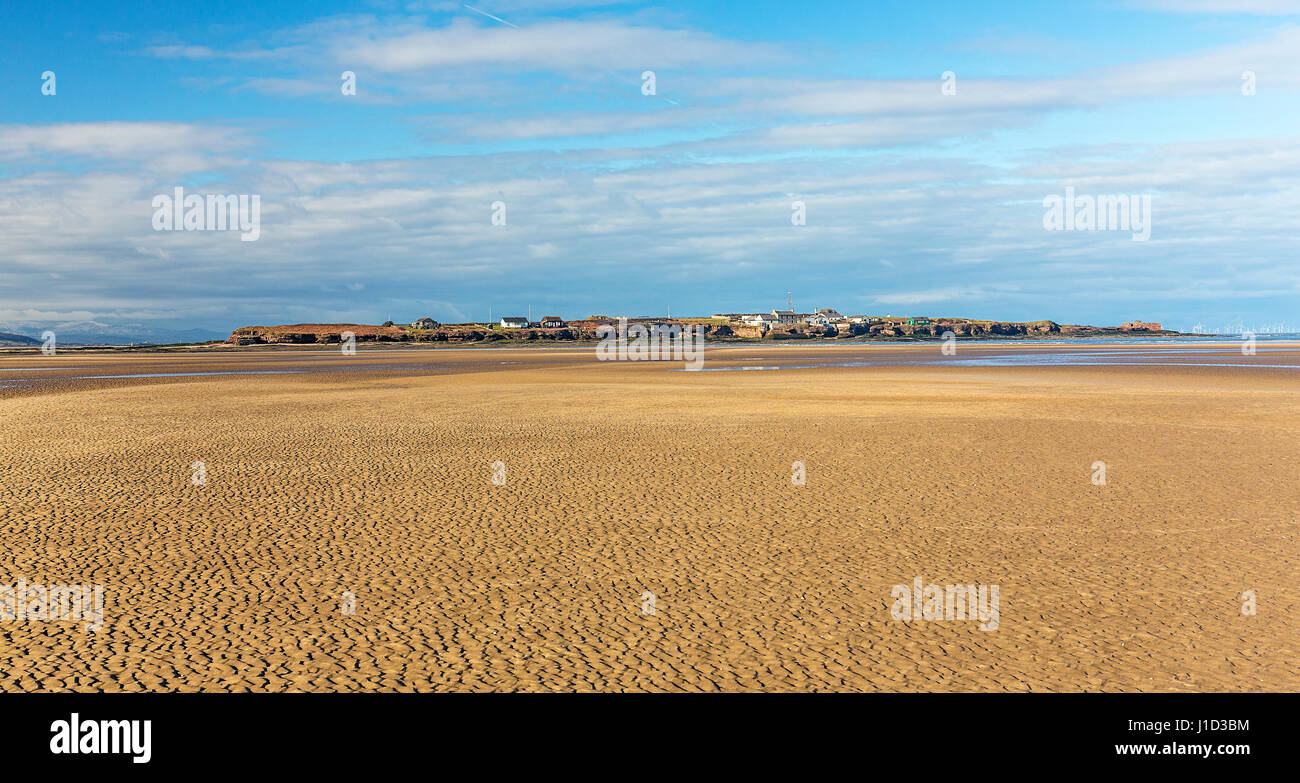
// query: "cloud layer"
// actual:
[[618, 199]]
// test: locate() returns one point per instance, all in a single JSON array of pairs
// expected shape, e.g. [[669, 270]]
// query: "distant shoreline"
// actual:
[[723, 329], [758, 329], [216, 346]]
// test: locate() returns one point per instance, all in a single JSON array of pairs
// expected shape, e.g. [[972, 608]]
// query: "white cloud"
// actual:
[[169, 146], [1258, 7], [570, 44]]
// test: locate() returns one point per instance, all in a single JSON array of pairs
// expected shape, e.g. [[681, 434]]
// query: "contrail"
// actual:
[[502, 21], [490, 16]]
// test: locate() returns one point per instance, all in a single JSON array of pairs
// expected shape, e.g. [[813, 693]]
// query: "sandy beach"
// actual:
[[532, 519]]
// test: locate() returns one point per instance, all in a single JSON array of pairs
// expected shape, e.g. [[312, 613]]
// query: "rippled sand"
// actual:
[[622, 479]]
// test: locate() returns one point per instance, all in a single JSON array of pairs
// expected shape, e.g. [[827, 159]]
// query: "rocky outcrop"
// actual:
[[965, 328], [800, 332], [735, 330], [315, 333]]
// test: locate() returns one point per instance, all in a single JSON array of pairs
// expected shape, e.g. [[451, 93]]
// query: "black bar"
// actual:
[[333, 733]]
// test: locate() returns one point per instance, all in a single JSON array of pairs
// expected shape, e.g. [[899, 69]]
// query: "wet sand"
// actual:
[[372, 477]]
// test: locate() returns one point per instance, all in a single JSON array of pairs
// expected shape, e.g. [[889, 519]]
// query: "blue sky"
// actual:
[[379, 204]]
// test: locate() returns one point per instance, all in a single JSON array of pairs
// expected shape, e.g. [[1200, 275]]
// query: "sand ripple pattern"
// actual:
[[625, 478]]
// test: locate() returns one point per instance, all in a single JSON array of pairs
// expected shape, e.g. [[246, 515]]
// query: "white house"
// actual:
[[424, 323], [508, 322], [825, 317]]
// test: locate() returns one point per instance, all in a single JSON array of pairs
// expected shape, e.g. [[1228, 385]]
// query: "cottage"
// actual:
[[788, 316], [825, 317], [508, 322], [551, 322], [424, 323]]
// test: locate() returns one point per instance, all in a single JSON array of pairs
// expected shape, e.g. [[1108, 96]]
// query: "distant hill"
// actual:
[[94, 333], [8, 340]]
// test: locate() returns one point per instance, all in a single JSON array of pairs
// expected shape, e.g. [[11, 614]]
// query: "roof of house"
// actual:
[[552, 318]]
